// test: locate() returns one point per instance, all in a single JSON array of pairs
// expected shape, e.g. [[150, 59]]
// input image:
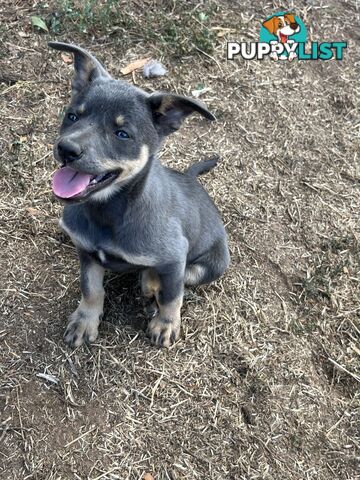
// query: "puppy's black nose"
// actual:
[[69, 151], [294, 26]]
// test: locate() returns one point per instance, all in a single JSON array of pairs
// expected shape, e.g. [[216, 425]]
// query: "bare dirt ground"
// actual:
[[264, 382]]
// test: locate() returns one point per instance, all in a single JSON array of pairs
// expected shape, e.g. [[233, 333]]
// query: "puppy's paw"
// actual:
[[82, 328], [163, 332]]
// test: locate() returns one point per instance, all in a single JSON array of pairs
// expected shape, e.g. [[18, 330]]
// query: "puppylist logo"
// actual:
[[283, 37]]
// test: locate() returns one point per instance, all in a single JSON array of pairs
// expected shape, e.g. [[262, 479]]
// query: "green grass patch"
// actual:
[[176, 28]]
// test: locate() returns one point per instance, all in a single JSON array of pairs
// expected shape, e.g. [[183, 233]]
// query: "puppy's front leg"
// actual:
[[164, 328], [84, 322]]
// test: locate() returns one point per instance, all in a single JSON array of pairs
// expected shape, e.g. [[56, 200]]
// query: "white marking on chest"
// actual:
[[101, 256]]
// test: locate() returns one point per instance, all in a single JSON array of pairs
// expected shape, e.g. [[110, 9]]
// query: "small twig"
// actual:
[[156, 386], [78, 438], [343, 369], [106, 473], [212, 58]]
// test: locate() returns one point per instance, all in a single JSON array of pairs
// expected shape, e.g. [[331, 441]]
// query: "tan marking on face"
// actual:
[[120, 120], [105, 193], [81, 109], [150, 282], [129, 167]]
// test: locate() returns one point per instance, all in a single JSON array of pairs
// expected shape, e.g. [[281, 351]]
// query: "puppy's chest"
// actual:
[[98, 241], [101, 243]]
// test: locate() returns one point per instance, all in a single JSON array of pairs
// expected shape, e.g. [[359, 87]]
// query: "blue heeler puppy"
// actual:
[[124, 210]]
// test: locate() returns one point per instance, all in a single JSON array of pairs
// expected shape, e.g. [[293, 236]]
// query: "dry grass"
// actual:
[[264, 382]]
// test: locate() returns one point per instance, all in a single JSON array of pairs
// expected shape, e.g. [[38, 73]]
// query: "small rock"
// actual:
[[154, 69]]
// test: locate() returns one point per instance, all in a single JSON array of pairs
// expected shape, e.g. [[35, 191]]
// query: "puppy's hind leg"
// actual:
[[84, 322], [209, 266]]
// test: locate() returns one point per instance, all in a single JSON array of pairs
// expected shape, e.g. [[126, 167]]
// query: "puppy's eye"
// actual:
[[122, 134], [72, 117]]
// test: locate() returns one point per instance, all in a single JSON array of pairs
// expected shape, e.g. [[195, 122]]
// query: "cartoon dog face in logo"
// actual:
[[282, 27]]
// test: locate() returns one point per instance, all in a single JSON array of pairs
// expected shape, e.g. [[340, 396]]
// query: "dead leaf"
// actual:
[[67, 58], [34, 212], [148, 476], [222, 31], [131, 67]]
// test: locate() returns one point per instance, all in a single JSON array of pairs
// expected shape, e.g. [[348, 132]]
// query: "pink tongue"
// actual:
[[68, 182]]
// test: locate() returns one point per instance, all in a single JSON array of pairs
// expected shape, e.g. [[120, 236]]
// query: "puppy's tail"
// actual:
[[202, 167]]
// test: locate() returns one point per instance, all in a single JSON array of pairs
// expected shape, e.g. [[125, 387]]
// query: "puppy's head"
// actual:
[[111, 130]]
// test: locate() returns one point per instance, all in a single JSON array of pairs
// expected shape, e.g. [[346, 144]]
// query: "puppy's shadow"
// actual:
[[124, 304]]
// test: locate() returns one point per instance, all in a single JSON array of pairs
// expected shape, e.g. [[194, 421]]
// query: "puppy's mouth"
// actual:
[[71, 185]]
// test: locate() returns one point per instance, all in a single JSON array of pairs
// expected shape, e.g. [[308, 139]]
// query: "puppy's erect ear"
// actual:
[[271, 25], [170, 110], [87, 68]]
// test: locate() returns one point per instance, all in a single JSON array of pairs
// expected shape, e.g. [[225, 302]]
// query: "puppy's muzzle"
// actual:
[[69, 151]]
